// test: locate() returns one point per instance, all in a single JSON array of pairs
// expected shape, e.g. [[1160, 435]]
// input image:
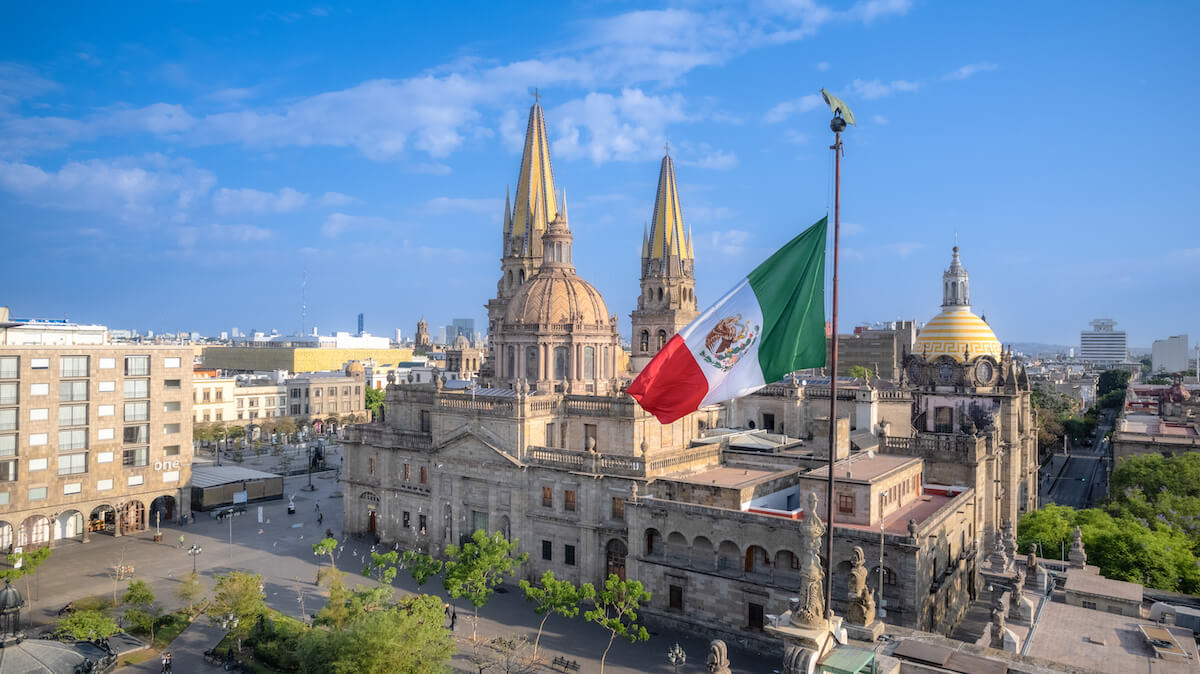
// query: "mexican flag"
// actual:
[[769, 324]]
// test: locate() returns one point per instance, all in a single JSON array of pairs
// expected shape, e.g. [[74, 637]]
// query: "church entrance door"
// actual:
[[371, 522], [615, 554]]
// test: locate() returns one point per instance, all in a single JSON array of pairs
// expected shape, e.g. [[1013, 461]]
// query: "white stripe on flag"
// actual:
[[744, 375]]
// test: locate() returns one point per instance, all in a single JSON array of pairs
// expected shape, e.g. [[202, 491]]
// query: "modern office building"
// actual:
[[1170, 354], [1103, 345], [93, 439], [360, 325]]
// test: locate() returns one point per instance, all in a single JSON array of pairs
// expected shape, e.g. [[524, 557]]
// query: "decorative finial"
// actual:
[[537, 97], [667, 148]]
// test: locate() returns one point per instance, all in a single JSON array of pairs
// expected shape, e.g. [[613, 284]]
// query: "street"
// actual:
[[1078, 479], [280, 548]]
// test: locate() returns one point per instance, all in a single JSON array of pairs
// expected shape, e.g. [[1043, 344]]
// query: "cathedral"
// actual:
[[550, 450]]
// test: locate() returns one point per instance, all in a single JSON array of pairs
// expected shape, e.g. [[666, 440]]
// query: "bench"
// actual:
[[566, 665]]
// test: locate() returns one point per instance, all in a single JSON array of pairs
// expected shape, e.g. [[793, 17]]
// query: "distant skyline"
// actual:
[[174, 166]]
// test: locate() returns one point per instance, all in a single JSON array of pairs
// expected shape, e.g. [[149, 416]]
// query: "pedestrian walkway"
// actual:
[[187, 651]]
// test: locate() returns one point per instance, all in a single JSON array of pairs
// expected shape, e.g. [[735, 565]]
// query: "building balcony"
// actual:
[[586, 462]]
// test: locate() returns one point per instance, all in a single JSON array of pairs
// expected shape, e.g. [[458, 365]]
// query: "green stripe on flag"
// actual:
[[790, 287]]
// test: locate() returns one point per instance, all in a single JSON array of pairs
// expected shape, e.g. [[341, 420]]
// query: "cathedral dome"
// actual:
[[557, 297], [954, 332]]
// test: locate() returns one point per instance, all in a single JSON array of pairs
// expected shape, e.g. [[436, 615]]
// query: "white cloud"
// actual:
[[880, 120], [127, 188], [18, 83], [1187, 252], [795, 136], [338, 223], [188, 237], [286, 200], [335, 199], [719, 161], [969, 70], [822, 66], [873, 89], [729, 242], [870, 10], [852, 228], [604, 127], [782, 111], [904, 248], [445, 205]]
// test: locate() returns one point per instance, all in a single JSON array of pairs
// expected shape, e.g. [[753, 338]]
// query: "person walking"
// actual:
[[320, 518], [166, 662], [180, 541], [453, 618]]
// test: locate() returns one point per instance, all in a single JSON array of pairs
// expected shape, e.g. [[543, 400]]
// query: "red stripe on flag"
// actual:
[[672, 384]]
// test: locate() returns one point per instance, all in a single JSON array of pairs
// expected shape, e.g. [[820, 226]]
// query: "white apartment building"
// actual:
[[1103, 344], [1170, 354]]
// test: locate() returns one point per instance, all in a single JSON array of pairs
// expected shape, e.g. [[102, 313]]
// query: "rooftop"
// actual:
[[1103, 642], [725, 476], [865, 467], [212, 476], [1089, 581]]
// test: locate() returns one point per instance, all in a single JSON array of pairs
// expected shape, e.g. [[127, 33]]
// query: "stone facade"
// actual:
[[92, 439]]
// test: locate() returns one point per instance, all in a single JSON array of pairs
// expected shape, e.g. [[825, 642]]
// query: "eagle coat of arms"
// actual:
[[728, 341]]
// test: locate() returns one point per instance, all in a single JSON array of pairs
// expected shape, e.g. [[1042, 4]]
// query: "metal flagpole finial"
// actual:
[[841, 112]]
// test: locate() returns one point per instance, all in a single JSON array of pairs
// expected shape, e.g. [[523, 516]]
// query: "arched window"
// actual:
[[510, 281], [660, 294], [645, 341], [662, 339], [589, 362], [522, 278], [560, 363], [531, 363]]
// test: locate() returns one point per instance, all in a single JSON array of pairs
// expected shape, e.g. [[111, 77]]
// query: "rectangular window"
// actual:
[[136, 435], [8, 419], [206, 396], [569, 500], [241, 403], [172, 384], [137, 388], [421, 522], [618, 508], [105, 410], [370, 465], [38, 464], [253, 402], [220, 417], [345, 406], [407, 519], [547, 497], [39, 363], [316, 393], [345, 390], [171, 476], [135, 480], [137, 366], [38, 439], [73, 366], [479, 521], [589, 437], [106, 386], [72, 438], [207, 416], [220, 394], [8, 470], [295, 409], [72, 464], [755, 617], [72, 415], [172, 429], [139, 411], [8, 393], [171, 450], [3, 498], [39, 414], [675, 603], [407, 474], [1089, 605], [171, 362], [108, 363], [172, 406], [846, 503], [136, 457], [39, 389], [424, 476], [104, 485], [316, 408], [295, 393], [104, 457], [425, 421], [37, 493], [943, 420], [357, 390], [547, 551], [72, 391], [9, 366], [569, 555], [8, 445], [333, 390]]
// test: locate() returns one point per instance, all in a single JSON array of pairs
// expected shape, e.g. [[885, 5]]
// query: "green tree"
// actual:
[[286, 427], [201, 432], [1112, 380], [616, 608], [374, 401], [476, 567], [859, 372], [1049, 527], [24, 565], [550, 597], [407, 637], [421, 566], [190, 590], [142, 613], [86, 625], [1159, 379], [240, 595], [327, 546]]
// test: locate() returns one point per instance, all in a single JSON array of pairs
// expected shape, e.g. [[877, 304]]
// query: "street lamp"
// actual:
[[194, 552], [676, 656], [310, 486]]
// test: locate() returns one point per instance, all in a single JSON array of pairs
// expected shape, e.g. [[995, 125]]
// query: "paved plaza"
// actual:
[[280, 548]]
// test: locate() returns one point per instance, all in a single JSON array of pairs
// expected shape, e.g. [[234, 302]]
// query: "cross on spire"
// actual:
[[667, 148], [537, 97]]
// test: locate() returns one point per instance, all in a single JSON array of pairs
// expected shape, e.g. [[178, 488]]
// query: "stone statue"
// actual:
[[862, 608], [590, 445], [1016, 603], [1031, 560], [1019, 582], [810, 607], [997, 630], [633, 493], [1010, 542], [857, 581], [796, 660], [997, 562], [645, 446], [718, 657], [912, 529], [862, 600], [1078, 555]]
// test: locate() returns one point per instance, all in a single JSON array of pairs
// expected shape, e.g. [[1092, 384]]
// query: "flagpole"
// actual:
[[837, 125]]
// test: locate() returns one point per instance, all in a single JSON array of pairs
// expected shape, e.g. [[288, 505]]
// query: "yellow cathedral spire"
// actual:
[[667, 239], [536, 202]]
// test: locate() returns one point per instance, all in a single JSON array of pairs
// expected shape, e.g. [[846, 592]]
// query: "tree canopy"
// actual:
[[1112, 380], [406, 637], [476, 567], [374, 401], [86, 625]]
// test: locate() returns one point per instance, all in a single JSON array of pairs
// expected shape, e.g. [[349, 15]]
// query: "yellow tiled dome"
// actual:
[[954, 330]]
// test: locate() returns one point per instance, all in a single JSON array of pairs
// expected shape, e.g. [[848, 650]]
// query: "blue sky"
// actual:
[[179, 165]]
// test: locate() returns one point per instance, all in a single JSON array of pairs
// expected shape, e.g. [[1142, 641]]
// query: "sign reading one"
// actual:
[[166, 465]]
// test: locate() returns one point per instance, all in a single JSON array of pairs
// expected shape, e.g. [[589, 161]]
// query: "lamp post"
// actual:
[[676, 656], [194, 552], [310, 486]]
